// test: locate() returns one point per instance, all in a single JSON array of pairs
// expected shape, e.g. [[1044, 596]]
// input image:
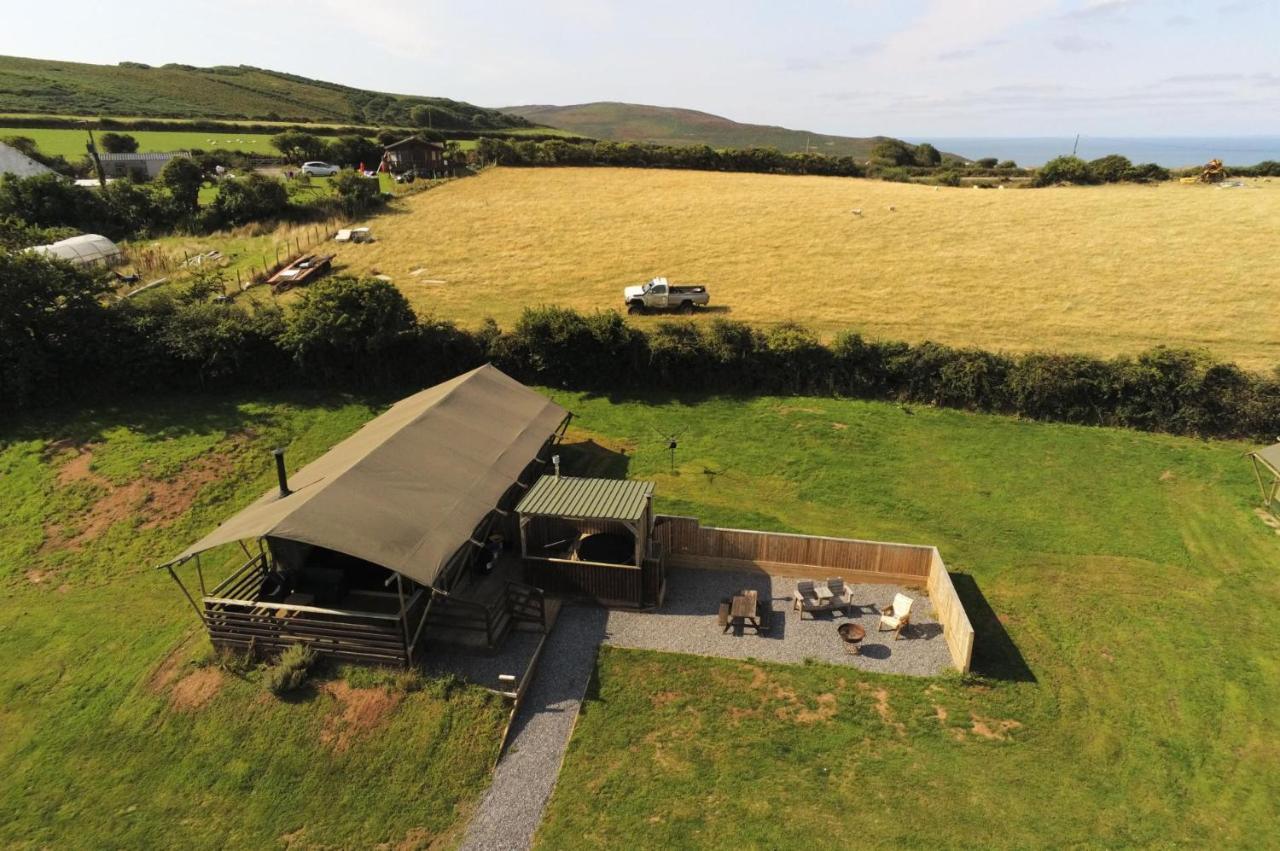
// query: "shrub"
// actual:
[[987, 162], [183, 177], [118, 143], [893, 152], [1064, 170], [927, 155], [290, 672], [54, 328], [352, 151], [247, 199], [1006, 164], [297, 146], [345, 328], [356, 193], [1112, 168]]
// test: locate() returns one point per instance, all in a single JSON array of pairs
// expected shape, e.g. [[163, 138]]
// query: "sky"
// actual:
[[915, 68]]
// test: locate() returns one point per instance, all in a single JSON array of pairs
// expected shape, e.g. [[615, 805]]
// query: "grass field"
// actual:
[[70, 143], [1123, 589], [114, 730], [1125, 597], [1098, 269]]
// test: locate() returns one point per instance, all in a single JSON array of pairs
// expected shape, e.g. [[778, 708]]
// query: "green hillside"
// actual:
[[628, 122], [184, 91]]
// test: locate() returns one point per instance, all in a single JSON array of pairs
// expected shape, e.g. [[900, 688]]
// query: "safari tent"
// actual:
[[356, 552]]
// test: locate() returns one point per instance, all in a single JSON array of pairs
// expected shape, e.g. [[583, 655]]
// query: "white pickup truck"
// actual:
[[661, 294]]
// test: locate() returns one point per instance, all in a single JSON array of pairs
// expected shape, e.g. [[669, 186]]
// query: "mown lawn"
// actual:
[[1124, 592], [70, 143], [1125, 596], [116, 730]]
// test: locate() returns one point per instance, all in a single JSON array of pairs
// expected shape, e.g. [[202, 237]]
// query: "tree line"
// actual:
[[62, 338]]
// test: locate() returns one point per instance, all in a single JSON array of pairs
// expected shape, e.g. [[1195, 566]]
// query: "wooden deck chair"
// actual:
[[896, 616], [841, 595], [805, 598]]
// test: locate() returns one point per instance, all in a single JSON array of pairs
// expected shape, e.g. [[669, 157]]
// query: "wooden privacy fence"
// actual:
[[690, 544], [950, 612]]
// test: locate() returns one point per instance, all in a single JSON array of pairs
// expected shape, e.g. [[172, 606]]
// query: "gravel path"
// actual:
[[522, 783], [686, 623]]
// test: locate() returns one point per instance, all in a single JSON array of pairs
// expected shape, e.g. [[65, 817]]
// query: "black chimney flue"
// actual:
[[280, 473]]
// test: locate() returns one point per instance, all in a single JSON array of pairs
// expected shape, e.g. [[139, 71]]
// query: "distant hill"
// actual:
[[629, 122], [226, 92]]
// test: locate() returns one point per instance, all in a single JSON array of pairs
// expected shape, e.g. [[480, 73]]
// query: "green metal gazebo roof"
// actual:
[[596, 499]]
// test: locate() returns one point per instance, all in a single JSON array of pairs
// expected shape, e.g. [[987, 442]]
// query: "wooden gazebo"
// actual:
[[592, 538]]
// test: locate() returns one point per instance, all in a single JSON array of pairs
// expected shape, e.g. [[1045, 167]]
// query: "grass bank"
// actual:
[[116, 729], [1125, 597]]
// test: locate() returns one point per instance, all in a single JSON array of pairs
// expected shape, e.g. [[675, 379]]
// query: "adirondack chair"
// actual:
[[896, 616], [806, 599], [841, 595]]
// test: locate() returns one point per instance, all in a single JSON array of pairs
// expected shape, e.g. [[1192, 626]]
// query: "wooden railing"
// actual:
[[690, 544], [341, 633], [950, 612], [610, 584]]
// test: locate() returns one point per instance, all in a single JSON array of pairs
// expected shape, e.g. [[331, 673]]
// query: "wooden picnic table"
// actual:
[[745, 610]]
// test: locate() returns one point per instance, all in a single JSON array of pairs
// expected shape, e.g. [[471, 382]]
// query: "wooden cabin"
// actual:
[[592, 539], [415, 156], [361, 551]]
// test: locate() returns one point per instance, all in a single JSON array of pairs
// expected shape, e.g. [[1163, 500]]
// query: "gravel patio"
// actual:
[[686, 623]]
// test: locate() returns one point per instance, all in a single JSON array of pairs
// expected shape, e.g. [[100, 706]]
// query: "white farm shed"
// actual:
[[86, 249]]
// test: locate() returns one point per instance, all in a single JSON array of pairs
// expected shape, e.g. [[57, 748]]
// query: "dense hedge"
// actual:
[[32, 206], [640, 155], [59, 339]]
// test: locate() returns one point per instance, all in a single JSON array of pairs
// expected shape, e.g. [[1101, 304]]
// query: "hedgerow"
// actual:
[[60, 339]]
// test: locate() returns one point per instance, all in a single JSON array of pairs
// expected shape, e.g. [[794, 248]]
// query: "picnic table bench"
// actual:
[[745, 609]]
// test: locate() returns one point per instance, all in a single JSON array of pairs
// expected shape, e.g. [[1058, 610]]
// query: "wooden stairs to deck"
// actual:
[[473, 623]]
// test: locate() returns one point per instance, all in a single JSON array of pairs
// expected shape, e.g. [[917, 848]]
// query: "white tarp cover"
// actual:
[[85, 249], [13, 161], [410, 487]]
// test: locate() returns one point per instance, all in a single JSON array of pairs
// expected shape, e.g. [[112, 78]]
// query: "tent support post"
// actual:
[[185, 593], [200, 574], [404, 622]]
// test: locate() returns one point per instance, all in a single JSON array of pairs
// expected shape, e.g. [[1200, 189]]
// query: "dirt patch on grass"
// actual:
[[993, 729], [839, 426], [881, 696], [792, 708], [155, 502], [825, 710], [196, 689], [359, 712], [1268, 518], [662, 698], [164, 673], [37, 577], [1168, 476]]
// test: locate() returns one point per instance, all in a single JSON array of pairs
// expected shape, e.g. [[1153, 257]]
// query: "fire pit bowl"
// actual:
[[851, 634]]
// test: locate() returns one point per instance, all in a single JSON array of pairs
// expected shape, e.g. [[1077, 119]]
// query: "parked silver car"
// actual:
[[319, 169]]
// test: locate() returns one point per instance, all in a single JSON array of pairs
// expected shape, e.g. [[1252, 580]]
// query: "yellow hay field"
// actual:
[[1094, 269]]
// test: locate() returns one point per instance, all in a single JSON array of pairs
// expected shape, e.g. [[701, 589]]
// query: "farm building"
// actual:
[[347, 553], [13, 161], [142, 165], [87, 249], [414, 155]]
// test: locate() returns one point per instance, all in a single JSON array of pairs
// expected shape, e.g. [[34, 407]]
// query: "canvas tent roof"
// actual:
[[410, 487], [13, 161], [1270, 456], [84, 249], [595, 499]]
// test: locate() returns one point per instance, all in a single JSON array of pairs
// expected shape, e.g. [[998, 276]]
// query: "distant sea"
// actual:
[[1168, 151]]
